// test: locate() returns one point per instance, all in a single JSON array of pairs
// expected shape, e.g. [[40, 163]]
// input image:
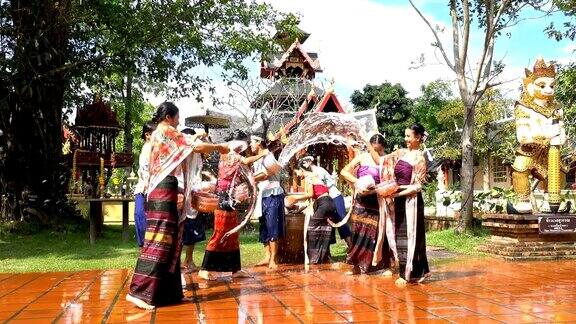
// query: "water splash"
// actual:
[[329, 128]]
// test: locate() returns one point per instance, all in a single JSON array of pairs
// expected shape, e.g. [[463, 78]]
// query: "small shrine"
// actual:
[[90, 147], [294, 61]]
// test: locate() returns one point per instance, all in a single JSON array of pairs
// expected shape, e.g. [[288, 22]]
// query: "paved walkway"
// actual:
[[465, 291]]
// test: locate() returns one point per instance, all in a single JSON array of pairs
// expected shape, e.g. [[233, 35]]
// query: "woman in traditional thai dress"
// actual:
[[364, 174], [318, 230], [408, 167], [157, 279], [223, 249]]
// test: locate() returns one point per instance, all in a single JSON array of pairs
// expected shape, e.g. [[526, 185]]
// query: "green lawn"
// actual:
[[463, 244], [50, 251]]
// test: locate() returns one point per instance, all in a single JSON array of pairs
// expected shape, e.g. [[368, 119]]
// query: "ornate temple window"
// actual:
[[499, 171]]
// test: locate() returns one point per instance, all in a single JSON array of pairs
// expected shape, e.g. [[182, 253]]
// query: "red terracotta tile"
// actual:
[[451, 311], [142, 316], [375, 317], [301, 302], [12, 307], [33, 321], [183, 308], [271, 302], [453, 296], [522, 318], [472, 320], [558, 317], [408, 314], [37, 314], [6, 314], [265, 312], [353, 308], [429, 321], [322, 318], [44, 306], [434, 304], [462, 291], [219, 305], [311, 309], [222, 313], [190, 316]]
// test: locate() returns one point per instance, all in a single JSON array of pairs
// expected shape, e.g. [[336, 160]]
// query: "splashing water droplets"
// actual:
[[329, 128]]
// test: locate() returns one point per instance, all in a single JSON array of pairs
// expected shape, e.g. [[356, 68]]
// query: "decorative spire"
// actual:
[[540, 70], [330, 88]]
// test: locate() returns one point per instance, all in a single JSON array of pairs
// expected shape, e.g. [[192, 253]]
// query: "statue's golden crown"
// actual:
[[541, 70]]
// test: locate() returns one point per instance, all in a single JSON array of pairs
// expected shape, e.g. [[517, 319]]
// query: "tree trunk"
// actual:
[[128, 139], [33, 177], [486, 172], [467, 179], [265, 125]]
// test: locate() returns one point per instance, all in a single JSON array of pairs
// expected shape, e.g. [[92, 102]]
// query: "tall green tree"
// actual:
[[566, 95], [52, 50], [435, 97], [494, 133], [167, 46], [393, 109], [491, 18], [566, 78]]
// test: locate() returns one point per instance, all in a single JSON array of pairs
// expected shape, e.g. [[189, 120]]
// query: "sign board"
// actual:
[[557, 224], [367, 119]]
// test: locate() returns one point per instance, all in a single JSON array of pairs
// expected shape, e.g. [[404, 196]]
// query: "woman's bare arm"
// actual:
[[251, 159], [206, 148], [346, 172]]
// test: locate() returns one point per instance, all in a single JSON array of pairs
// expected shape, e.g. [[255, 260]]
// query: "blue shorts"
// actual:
[[194, 230], [272, 225]]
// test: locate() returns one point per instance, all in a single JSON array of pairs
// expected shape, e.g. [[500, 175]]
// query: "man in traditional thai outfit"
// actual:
[[540, 133]]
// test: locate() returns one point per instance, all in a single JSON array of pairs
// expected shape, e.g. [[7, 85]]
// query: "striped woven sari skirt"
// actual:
[[223, 256], [156, 279], [365, 216], [319, 230], [420, 267]]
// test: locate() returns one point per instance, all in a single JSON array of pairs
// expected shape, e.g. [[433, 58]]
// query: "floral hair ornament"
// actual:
[[256, 138], [424, 137]]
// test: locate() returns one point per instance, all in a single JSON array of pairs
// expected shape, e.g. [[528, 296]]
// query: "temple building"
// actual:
[[292, 96]]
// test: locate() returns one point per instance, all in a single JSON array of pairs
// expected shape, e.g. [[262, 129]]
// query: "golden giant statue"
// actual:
[[540, 133]]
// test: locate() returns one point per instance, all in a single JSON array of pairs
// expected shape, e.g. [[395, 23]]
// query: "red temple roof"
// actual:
[[96, 114], [328, 103], [267, 69]]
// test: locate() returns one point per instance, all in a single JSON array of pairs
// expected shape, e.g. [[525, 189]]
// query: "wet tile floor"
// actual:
[[461, 291]]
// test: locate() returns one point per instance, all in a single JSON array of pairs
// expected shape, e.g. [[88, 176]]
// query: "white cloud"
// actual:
[[362, 42]]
